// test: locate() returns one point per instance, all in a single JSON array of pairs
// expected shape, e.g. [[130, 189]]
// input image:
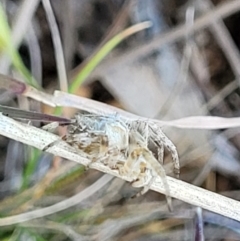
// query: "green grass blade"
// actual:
[[30, 168], [6, 46], [103, 52]]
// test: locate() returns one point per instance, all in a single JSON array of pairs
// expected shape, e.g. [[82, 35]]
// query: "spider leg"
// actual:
[[160, 153], [156, 170], [144, 180], [161, 140], [172, 149], [145, 132], [160, 149]]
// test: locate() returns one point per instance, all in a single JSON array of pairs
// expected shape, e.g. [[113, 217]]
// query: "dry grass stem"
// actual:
[[193, 122], [59, 56], [178, 189]]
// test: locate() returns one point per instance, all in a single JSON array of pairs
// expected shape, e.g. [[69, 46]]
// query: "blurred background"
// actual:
[[186, 64]]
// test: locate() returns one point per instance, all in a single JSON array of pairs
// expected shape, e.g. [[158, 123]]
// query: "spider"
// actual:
[[123, 145]]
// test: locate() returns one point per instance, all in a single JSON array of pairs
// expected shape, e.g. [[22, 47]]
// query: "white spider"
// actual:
[[123, 145]]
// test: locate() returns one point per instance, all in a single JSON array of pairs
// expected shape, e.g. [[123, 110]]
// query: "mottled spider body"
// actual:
[[122, 145], [104, 139]]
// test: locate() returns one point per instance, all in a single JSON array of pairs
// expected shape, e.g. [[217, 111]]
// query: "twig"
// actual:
[[178, 189], [58, 50], [192, 122], [81, 103]]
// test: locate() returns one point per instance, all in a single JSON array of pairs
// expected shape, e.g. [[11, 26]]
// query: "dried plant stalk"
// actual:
[[178, 189]]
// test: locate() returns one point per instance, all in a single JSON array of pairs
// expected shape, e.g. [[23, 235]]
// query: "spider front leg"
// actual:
[[161, 141], [145, 129], [173, 150]]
